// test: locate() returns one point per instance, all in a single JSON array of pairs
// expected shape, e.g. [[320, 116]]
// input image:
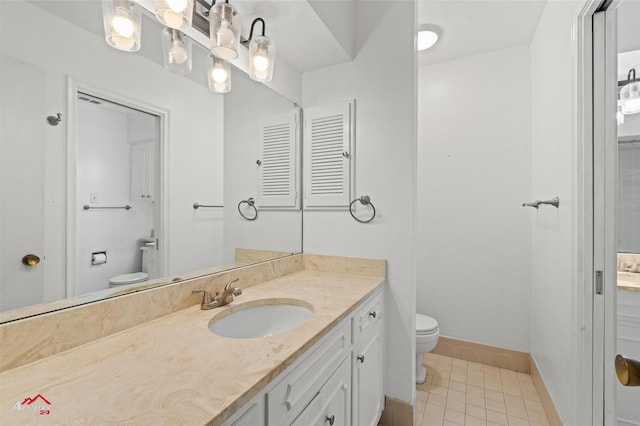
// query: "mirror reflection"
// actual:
[[104, 154]]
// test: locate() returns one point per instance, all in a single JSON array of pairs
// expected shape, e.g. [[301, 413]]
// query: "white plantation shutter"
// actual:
[[328, 145], [278, 152]]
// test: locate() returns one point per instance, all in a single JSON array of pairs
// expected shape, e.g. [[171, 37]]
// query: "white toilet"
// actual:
[[427, 334], [148, 250]]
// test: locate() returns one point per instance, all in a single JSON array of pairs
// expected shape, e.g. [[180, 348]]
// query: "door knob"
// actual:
[[30, 259], [628, 371]]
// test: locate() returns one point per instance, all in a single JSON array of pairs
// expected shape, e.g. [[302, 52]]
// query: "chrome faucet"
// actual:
[[220, 299]]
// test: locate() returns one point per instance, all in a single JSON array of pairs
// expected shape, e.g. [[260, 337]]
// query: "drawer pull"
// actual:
[[372, 314], [360, 358], [330, 419]]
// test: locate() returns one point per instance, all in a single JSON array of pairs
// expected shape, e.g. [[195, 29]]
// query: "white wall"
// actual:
[[555, 321], [382, 80], [195, 148], [474, 172], [279, 230]]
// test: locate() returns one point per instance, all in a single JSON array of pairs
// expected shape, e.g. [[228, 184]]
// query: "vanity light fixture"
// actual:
[[261, 54], [630, 94], [224, 30], [122, 22], [176, 51], [219, 75], [619, 114], [176, 14]]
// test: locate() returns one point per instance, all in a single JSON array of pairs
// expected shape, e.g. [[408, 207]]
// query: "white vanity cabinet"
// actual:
[[368, 363], [338, 382]]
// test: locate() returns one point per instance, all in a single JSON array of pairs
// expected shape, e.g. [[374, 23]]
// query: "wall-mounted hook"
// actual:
[[54, 121]]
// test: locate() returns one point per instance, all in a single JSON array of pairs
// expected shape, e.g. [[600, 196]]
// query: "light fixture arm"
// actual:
[[631, 76], [253, 24]]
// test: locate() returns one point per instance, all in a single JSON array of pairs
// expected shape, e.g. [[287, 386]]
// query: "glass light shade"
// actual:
[[122, 22], [175, 14], [176, 51], [224, 30], [219, 75], [630, 98], [262, 53]]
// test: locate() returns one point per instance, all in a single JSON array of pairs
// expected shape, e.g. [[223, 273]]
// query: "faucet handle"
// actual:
[[228, 286], [206, 298]]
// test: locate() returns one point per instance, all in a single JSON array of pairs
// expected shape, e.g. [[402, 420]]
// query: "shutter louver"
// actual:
[[277, 169], [328, 155]]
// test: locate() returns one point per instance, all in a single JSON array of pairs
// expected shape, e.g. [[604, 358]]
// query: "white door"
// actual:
[[22, 137]]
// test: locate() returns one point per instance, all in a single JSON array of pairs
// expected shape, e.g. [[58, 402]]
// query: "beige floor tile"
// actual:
[[515, 421], [457, 395], [475, 381], [527, 386], [494, 386], [438, 390], [478, 401], [435, 399], [475, 391], [421, 395], [493, 424], [462, 387], [454, 405], [491, 369], [433, 415], [461, 378], [475, 366], [493, 395], [497, 406], [514, 391], [531, 395], [456, 369], [479, 412], [515, 407], [524, 378], [446, 360], [454, 417], [448, 423], [474, 421], [459, 363], [499, 418]]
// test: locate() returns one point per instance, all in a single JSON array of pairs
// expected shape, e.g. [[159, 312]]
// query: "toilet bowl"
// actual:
[[427, 334], [137, 277]]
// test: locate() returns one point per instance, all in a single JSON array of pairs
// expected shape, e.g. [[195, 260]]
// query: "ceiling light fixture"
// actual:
[[224, 30], [261, 54], [176, 51], [427, 36], [122, 20], [175, 14], [630, 94]]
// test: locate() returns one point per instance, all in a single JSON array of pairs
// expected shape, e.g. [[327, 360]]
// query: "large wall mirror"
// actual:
[[141, 179]]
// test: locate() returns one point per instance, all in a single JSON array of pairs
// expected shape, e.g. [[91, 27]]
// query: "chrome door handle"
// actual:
[[628, 371]]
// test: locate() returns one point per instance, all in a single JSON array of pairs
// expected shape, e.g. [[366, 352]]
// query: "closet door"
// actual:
[[278, 153], [328, 155]]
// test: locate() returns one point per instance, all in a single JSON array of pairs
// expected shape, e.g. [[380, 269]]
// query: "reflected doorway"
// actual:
[[117, 183]]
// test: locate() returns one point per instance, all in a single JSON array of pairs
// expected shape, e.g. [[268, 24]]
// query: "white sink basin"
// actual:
[[261, 320]]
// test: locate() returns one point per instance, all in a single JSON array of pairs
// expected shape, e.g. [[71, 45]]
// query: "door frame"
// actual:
[[596, 128], [74, 86]]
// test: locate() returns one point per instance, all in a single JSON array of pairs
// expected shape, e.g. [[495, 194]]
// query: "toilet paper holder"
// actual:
[[98, 257]]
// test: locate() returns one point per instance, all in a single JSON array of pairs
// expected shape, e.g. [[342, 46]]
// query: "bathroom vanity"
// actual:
[[174, 370]]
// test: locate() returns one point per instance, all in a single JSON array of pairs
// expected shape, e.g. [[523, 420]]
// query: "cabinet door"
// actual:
[[331, 407], [253, 416], [142, 171], [368, 394]]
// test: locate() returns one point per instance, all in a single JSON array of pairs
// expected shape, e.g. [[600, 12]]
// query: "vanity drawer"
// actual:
[[293, 393], [368, 315]]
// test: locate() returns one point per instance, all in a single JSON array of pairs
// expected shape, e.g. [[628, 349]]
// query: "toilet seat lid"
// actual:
[[133, 278], [425, 324]]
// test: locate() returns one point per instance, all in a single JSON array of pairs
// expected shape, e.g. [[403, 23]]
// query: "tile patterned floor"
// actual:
[[459, 392]]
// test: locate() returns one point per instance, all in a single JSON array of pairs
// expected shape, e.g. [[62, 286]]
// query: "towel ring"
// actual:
[[365, 200], [251, 203]]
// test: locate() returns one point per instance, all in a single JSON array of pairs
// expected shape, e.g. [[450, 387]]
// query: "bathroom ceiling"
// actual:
[[476, 26]]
